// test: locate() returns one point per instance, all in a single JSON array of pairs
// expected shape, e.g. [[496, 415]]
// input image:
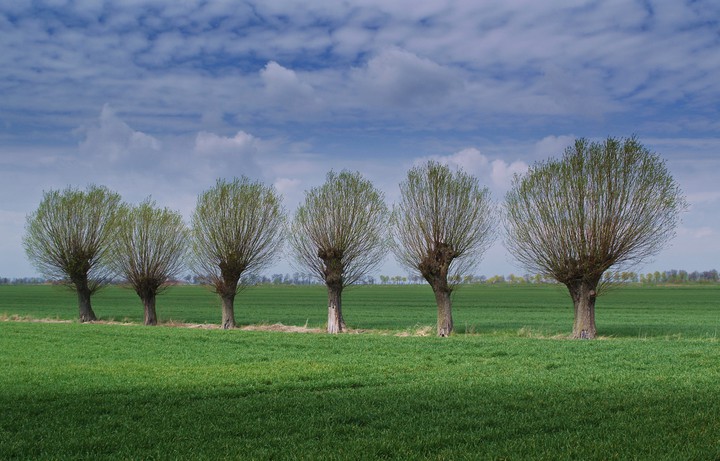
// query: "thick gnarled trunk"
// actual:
[[228, 312], [583, 294], [84, 307], [435, 268], [336, 323], [333, 272], [444, 312], [150, 312]]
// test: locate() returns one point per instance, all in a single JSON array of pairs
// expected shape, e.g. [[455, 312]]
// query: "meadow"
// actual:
[[507, 386], [546, 310]]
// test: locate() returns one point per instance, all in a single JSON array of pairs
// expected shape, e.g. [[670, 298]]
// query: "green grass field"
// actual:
[[634, 311], [93, 391]]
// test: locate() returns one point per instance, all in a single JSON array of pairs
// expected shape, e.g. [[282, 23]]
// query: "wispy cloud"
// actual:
[[590, 60], [162, 97]]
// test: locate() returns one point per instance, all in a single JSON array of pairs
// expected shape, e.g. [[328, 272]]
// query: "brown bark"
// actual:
[[336, 323], [583, 294], [150, 313], [444, 312], [333, 272], [226, 287], [84, 307], [434, 268], [228, 311]]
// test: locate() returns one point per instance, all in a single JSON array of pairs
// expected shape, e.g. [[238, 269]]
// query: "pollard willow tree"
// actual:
[[442, 226], [338, 234], [604, 204], [68, 239], [149, 251], [237, 229]]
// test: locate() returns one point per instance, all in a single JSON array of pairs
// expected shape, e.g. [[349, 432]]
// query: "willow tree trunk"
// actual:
[[336, 323], [583, 294], [434, 267], [444, 311], [150, 313], [84, 306], [228, 312]]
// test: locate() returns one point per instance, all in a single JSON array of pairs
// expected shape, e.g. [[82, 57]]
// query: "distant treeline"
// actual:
[[651, 278], [667, 277]]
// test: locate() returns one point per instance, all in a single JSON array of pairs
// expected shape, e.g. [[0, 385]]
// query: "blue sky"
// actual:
[[161, 98]]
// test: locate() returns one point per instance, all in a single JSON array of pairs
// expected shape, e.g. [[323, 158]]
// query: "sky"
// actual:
[[162, 98]]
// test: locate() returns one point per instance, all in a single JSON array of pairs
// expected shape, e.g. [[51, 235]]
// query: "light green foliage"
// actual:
[[442, 211], [68, 237], [237, 229], [149, 247], [341, 223], [602, 205]]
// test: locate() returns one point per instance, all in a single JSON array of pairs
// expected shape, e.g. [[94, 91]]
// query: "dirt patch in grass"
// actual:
[[418, 330], [27, 318], [283, 328]]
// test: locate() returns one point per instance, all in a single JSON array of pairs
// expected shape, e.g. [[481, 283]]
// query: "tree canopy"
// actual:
[[237, 229], [149, 250], [602, 205], [338, 233], [68, 239], [442, 226]]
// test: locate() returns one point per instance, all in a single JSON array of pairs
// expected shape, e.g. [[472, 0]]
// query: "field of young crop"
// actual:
[[633, 311], [510, 390]]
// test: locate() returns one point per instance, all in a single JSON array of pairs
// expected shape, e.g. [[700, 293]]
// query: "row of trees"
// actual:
[[601, 205]]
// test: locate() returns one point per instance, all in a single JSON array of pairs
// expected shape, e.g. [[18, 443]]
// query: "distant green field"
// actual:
[[633, 311], [94, 391]]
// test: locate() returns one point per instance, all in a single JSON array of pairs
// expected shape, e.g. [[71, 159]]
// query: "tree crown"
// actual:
[[603, 204], [338, 231], [150, 246], [68, 237], [443, 216], [237, 228]]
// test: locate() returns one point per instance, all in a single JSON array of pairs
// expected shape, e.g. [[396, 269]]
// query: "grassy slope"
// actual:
[[688, 311], [94, 391]]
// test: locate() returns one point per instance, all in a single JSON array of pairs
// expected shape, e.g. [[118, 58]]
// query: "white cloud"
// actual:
[[290, 188], [498, 171], [399, 77], [113, 139], [212, 144], [283, 85], [503, 172], [552, 146]]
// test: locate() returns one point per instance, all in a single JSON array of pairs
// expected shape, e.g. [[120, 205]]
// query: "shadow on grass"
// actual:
[[359, 419]]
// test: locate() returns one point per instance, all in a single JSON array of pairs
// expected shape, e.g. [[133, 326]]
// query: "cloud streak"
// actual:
[[156, 97]]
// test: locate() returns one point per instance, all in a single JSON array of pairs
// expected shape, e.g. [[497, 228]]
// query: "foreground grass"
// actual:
[[72, 391], [635, 311]]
